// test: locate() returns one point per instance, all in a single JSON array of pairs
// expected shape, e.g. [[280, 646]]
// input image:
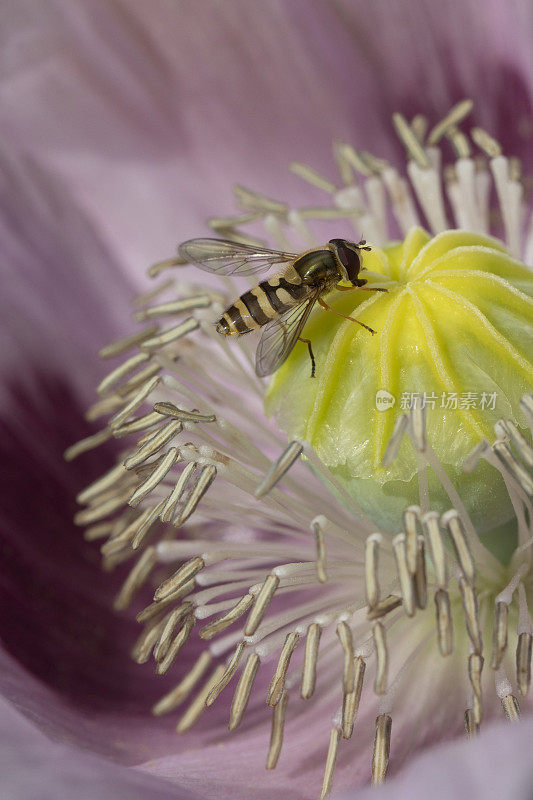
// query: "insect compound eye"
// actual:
[[347, 256]]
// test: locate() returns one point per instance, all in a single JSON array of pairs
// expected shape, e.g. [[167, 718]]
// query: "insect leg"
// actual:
[[345, 288], [328, 308], [361, 285], [311, 356]]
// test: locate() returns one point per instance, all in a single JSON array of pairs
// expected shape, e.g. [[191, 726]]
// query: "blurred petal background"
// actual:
[[123, 127]]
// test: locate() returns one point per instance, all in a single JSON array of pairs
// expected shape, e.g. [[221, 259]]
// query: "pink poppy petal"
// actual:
[[494, 766], [151, 114], [32, 765]]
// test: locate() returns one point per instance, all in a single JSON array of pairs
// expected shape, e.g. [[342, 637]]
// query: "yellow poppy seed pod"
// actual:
[[455, 330]]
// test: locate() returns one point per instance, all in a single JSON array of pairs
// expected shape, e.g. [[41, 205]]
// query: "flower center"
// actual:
[[346, 565], [450, 334]]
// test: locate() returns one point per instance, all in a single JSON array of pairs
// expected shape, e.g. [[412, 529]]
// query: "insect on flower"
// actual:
[[281, 304], [373, 602]]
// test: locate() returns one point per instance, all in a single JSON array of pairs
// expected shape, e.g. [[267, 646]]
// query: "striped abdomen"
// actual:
[[265, 302]]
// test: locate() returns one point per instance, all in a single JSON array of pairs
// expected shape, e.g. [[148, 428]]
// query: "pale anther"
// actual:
[[156, 608], [526, 405], [312, 641], [344, 633], [320, 549], [181, 576], [105, 482], [430, 521], [176, 645], [136, 425], [155, 477], [136, 380], [174, 307], [102, 508], [154, 443], [384, 607], [142, 648], [420, 580], [412, 144], [231, 669], [160, 266], [514, 467], [471, 727], [247, 198], [343, 163], [470, 607], [419, 126], [278, 469], [276, 733], [486, 142], [418, 427], [523, 662], [136, 578], [511, 708], [444, 622], [374, 163], [200, 486], [105, 406], [171, 334], [137, 401], [174, 618], [242, 692], [122, 345], [471, 462], [147, 297], [371, 568], [197, 707], [411, 522], [184, 688], [351, 701], [331, 760], [170, 410], [499, 636], [452, 521], [459, 143], [453, 118], [277, 683], [223, 223], [175, 495], [89, 443], [144, 523], [313, 177], [520, 442], [260, 605], [98, 531], [400, 426], [381, 751], [404, 576], [382, 658], [121, 371], [475, 667], [220, 624]]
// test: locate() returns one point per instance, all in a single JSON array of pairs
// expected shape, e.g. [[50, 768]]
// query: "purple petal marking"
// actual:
[[70, 666]]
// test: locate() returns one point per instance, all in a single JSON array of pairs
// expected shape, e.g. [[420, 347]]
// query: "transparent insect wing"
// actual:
[[231, 258], [280, 335]]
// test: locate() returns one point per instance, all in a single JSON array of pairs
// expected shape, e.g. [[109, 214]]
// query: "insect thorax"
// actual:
[[317, 266]]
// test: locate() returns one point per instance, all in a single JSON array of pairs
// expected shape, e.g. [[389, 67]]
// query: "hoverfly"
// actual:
[[282, 304]]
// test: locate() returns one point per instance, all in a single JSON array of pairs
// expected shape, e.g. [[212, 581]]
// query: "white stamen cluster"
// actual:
[[266, 558]]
